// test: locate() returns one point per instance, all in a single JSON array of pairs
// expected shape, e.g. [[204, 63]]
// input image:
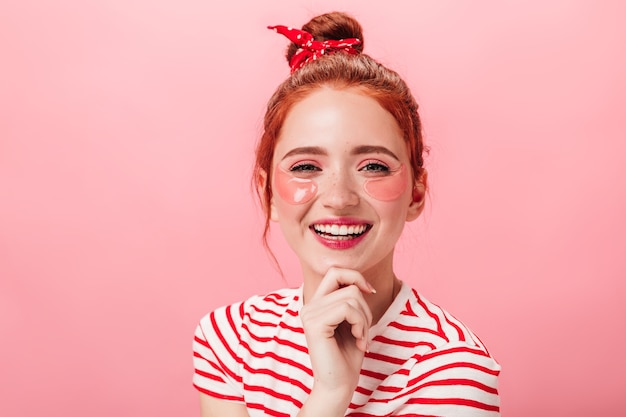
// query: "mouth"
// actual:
[[340, 232]]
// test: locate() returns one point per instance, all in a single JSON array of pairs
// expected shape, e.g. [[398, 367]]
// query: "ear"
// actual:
[[261, 190], [419, 196]]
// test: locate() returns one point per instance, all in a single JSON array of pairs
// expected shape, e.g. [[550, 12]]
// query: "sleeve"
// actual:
[[455, 380], [217, 364]]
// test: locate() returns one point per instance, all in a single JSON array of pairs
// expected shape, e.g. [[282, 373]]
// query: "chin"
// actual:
[[322, 267]]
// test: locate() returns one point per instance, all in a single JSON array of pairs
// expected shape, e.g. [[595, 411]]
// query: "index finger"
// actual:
[[337, 278]]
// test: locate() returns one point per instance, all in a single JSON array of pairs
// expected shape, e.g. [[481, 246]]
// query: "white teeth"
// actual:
[[340, 230]]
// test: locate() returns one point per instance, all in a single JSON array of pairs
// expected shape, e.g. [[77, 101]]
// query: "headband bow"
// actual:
[[310, 49]]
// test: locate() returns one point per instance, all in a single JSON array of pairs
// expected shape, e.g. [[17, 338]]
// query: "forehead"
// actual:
[[339, 120]]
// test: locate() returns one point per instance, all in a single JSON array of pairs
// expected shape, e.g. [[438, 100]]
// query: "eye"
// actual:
[[304, 167], [374, 166]]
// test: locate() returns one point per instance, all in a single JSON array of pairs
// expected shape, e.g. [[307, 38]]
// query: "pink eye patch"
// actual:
[[296, 190], [387, 188], [292, 189]]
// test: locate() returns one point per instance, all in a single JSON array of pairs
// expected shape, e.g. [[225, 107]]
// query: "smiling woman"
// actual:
[[340, 169]]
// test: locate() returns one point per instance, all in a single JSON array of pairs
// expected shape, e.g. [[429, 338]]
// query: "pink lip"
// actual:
[[340, 244], [348, 221]]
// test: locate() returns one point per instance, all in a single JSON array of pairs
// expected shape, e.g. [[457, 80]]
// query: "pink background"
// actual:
[[126, 136]]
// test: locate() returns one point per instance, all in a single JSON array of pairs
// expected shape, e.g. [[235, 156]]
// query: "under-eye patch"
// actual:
[[389, 187], [292, 189], [295, 190]]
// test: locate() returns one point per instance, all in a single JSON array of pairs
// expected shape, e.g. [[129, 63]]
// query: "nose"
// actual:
[[340, 191]]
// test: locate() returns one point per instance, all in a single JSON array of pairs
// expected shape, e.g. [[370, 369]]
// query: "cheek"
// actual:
[[388, 188], [293, 190]]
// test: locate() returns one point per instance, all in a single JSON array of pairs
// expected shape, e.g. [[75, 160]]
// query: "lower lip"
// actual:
[[339, 244]]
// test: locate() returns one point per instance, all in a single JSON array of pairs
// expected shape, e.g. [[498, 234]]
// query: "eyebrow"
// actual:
[[308, 150], [360, 150]]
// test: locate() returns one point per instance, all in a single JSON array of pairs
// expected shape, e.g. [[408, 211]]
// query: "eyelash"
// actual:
[[304, 167], [377, 167], [372, 166]]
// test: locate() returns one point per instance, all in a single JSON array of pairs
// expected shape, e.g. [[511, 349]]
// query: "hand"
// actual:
[[336, 323]]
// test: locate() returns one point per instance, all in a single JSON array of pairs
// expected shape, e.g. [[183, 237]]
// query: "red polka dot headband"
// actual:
[[310, 49]]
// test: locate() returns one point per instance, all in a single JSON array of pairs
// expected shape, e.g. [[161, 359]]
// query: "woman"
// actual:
[[340, 168]]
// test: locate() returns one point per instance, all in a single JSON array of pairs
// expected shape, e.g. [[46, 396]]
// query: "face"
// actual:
[[341, 181]]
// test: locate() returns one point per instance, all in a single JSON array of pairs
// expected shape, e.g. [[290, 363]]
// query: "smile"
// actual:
[[340, 232]]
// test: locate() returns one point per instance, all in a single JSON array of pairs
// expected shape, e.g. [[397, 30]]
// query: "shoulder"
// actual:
[[438, 322], [266, 309], [432, 354]]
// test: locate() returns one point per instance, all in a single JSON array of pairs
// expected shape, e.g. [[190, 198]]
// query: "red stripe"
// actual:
[[372, 374], [384, 358], [414, 415], [381, 376], [282, 342], [260, 323], [451, 366], [241, 310], [482, 345], [226, 345], [256, 406], [401, 326], [466, 349], [454, 401], [363, 391], [433, 316], [221, 368], [209, 362], [461, 381], [284, 325], [402, 343], [279, 377], [209, 376], [408, 309], [218, 395], [274, 394], [456, 327], [276, 296], [229, 316], [201, 341], [415, 381], [277, 358], [262, 310], [276, 300]]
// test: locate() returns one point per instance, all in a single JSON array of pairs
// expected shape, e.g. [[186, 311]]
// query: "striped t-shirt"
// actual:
[[421, 360]]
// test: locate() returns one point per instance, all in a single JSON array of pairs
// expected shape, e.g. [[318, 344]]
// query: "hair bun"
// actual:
[[331, 26]]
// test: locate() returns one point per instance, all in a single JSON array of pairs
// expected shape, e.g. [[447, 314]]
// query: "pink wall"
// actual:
[[126, 136]]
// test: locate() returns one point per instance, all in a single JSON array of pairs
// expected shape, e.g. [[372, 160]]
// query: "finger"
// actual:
[[358, 327], [337, 278], [327, 318], [351, 294], [354, 295]]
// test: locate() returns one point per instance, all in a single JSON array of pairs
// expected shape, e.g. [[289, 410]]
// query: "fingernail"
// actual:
[[372, 289]]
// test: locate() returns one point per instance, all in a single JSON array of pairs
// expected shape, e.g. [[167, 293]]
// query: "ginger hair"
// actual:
[[338, 71]]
